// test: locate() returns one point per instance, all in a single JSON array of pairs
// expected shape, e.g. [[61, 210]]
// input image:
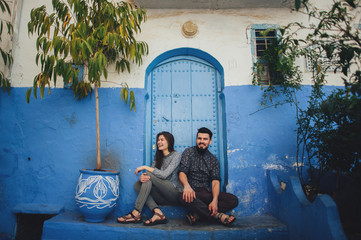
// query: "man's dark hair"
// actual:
[[205, 130]]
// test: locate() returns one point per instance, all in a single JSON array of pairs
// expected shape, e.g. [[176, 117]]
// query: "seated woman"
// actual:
[[159, 185]]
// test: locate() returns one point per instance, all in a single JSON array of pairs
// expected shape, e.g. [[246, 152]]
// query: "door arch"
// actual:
[[184, 92]]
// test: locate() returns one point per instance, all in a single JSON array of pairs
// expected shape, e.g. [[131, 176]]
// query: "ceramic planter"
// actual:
[[96, 194]]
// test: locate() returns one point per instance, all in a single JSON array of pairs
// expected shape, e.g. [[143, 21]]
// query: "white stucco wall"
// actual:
[[224, 34]]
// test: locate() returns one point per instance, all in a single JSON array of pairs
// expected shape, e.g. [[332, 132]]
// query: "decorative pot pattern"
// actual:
[[96, 194]]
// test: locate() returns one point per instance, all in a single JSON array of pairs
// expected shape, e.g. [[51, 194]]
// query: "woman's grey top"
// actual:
[[169, 169]]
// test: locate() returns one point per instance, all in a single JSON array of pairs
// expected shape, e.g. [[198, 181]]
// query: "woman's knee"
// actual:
[[154, 179], [151, 175], [138, 184]]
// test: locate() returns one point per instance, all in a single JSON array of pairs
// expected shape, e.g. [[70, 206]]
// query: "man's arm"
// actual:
[[213, 206], [188, 193]]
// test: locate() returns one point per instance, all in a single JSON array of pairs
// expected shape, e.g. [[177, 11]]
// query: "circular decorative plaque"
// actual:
[[189, 29]]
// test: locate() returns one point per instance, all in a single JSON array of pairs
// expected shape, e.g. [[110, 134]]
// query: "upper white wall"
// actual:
[[224, 34]]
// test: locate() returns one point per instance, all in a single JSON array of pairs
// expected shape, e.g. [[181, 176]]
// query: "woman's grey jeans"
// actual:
[[155, 191]]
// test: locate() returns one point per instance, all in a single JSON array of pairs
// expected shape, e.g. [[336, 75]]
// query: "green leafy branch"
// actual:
[[6, 55], [92, 33], [328, 136]]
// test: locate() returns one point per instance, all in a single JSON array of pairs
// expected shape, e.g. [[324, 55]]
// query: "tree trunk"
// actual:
[[99, 163]]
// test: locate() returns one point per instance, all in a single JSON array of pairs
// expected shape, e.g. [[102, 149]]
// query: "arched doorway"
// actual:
[[184, 92]]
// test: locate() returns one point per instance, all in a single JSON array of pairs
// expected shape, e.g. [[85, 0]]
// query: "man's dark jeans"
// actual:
[[226, 202]]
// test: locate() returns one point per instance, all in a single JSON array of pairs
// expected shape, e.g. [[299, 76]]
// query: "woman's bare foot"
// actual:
[[158, 218], [131, 217]]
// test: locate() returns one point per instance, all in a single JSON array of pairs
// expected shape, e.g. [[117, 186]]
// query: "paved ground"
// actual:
[[72, 226]]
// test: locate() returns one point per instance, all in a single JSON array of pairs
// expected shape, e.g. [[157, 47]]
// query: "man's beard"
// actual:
[[201, 150]]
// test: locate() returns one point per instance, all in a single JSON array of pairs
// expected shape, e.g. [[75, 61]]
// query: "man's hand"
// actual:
[[144, 178], [213, 208], [188, 194]]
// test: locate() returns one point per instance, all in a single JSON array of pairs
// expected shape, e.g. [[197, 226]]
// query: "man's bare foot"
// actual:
[[226, 220], [192, 218]]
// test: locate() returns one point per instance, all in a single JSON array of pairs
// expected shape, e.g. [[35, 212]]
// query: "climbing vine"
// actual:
[[329, 127]]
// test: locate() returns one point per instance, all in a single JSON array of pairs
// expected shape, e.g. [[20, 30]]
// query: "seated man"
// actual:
[[200, 175]]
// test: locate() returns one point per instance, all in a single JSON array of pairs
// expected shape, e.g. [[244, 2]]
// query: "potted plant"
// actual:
[[91, 34]]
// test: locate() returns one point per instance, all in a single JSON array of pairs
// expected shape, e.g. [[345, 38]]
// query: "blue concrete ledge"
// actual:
[[305, 220], [72, 226], [38, 208]]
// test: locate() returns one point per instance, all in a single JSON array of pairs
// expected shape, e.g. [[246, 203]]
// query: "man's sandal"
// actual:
[[225, 222], [192, 218], [162, 220], [130, 218]]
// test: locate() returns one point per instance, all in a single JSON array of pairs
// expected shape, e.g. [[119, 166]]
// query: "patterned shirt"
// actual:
[[201, 169], [169, 169]]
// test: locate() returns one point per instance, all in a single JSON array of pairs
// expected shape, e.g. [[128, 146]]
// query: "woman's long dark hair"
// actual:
[[159, 157]]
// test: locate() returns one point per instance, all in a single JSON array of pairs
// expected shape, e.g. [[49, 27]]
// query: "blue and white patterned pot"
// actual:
[[96, 194]]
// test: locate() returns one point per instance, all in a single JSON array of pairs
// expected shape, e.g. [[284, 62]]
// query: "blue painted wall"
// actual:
[[259, 141], [256, 141], [305, 220], [44, 144]]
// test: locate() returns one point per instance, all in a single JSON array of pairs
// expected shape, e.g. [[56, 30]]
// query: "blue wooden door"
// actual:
[[185, 96]]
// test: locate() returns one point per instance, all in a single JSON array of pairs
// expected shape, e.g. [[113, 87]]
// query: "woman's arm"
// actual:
[[174, 163], [141, 168]]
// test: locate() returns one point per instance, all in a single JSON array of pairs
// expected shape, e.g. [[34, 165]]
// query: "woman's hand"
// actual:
[[144, 178], [138, 169]]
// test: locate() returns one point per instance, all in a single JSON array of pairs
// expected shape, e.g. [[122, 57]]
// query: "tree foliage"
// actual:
[[300, 3], [329, 128], [6, 55], [94, 33]]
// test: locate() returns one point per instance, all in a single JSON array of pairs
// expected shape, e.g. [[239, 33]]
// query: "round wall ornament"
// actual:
[[189, 29]]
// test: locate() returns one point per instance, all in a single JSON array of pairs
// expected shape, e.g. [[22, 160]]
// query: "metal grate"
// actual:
[[263, 39], [323, 60]]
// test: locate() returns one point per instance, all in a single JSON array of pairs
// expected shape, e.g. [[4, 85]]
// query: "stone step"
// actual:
[[72, 226]]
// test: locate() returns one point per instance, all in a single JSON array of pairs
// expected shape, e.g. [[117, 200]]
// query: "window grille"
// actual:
[[323, 60], [262, 37]]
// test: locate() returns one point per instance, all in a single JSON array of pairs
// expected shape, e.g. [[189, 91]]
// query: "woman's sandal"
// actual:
[[162, 220], [127, 218], [192, 218], [225, 222]]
